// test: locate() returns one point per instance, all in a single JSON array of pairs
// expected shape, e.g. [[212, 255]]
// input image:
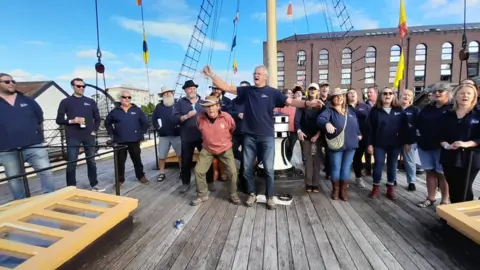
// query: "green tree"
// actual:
[[148, 109]]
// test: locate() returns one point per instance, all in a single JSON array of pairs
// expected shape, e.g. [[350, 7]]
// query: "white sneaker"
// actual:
[[97, 188], [359, 182]]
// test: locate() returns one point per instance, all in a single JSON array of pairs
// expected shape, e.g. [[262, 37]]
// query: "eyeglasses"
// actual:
[[79, 86], [387, 93], [9, 82], [438, 91], [126, 97]]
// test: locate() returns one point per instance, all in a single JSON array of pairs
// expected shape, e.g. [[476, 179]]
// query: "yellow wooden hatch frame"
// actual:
[[464, 217], [105, 211]]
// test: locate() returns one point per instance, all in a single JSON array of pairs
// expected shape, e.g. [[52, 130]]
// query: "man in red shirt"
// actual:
[[217, 130]]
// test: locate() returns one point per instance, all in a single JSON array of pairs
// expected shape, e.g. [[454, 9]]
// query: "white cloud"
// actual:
[[37, 42], [257, 41], [93, 54], [298, 10], [21, 75], [86, 73], [441, 9], [178, 33]]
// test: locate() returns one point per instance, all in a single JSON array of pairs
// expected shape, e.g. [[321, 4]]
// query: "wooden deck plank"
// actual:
[[299, 254], [270, 258], [243, 248], [372, 247], [285, 258], [255, 259], [315, 260], [215, 251], [228, 253]]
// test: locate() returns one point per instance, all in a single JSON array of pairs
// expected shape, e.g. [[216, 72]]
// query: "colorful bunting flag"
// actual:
[[235, 20], [235, 66], [234, 43], [145, 49], [139, 2], [402, 22], [289, 9]]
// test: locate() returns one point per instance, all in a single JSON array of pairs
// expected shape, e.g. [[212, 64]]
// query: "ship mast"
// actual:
[[272, 42]]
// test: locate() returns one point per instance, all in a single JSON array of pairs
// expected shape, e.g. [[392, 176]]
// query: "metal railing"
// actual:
[[24, 175]]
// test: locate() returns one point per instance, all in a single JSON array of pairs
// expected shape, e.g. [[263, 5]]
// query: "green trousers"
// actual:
[[204, 162]]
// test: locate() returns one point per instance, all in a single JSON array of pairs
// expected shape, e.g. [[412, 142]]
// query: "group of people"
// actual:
[[21, 126]]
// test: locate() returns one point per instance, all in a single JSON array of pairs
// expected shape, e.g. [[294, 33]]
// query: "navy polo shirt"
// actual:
[[259, 103]]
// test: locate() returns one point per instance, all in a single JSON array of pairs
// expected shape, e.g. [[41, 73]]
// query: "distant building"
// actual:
[[368, 57], [140, 97], [48, 95]]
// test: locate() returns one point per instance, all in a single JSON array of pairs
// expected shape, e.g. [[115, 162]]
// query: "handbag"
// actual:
[[337, 142]]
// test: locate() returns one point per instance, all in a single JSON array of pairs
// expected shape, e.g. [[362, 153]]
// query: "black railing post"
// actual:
[[115, 167], [22, 171], [62, 143], [156, 150]]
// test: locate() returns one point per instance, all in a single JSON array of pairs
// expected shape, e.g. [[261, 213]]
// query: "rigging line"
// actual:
[[338, 62], [235, 29], [306, 17], [216, 17], [144, 35], [326, 17], [464, 39]]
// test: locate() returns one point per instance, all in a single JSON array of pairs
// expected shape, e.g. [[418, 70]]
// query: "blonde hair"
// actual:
[[409, 92], [475, 96]]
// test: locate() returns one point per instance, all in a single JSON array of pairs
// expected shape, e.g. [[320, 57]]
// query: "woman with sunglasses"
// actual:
[[460, 130], [361, 111], [428, 141], [340, 120], [387, 132]]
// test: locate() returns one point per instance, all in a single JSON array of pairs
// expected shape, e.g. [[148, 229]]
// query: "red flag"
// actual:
[[139, 2], [402, 22], [289, 9]]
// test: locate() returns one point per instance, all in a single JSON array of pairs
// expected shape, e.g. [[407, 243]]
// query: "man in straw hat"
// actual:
[[167, 128], [260, 100], [217, 130]]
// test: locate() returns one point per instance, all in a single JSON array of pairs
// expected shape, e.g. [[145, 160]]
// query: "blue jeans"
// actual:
[[392, 159], [340, 163], [410, 164], [263, 146], [73, 146], [38, 159]]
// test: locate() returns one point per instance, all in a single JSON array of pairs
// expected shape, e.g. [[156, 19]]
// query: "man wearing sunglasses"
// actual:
[[21, 127], [127, 125], [81, 118]]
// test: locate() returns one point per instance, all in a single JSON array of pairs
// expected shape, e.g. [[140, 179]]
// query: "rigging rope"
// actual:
[[464, 54], [145, 48], [306, 17], [290, 14], [216, 19], [233, 50]]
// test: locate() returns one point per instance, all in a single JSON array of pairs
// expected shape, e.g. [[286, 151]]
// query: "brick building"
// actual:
[[367, 57]]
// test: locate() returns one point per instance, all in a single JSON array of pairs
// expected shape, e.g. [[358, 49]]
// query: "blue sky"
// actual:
[[56, 39]]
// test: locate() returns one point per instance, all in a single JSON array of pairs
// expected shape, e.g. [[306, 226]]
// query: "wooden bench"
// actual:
[[463, 217], [47, 231]]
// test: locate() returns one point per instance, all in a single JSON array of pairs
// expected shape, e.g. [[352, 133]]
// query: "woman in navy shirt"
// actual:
[[460, 130], [340, 120], [406, 101], [387, 132], [361, 111]]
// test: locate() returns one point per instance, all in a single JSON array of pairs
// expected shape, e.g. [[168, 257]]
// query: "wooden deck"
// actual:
[[312, 233]]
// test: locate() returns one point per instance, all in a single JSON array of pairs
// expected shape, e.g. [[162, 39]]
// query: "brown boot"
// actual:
[[144, 180], [335, 190], [343, 191], [391, 192], [375, 191]]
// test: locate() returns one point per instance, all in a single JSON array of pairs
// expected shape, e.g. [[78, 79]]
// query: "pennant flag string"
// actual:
[[144, 44], [233, 49]]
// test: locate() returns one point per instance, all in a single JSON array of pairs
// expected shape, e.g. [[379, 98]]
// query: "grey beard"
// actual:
[[168, 102]]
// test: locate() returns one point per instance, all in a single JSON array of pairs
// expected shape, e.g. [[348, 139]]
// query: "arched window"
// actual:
[[280, 59], [346, 56], [395, 53], [421, 52], [323, 58], [447, 51], [472, 64], [301, 77], [301, 58], [370, 55]]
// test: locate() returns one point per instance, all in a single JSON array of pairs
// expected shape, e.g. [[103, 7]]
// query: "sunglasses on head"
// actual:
[[79, 86], [9, 82], [126, 97]]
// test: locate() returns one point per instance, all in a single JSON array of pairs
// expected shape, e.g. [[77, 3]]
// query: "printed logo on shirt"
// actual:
[[396, 113], [86, 104], [408, 113], [475, 121], [23, 105], [222, 126], [351, 115], [133, 113], [361, 109], [264, 96]]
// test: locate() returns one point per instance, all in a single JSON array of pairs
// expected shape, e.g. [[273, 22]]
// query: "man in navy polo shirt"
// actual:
[[257, 127], [21, 127], [81, 118], [127, 125]]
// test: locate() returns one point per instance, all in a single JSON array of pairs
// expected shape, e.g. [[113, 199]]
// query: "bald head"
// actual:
[[125, 98]]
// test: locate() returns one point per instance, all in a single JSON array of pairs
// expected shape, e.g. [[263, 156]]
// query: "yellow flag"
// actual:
[[400, 69]]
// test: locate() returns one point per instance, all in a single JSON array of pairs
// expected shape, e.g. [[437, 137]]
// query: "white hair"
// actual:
[[124, 92], [263, 67]]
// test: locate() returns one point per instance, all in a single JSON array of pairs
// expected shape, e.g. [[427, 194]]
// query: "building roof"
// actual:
[[126, 87], [386, 31], [36, 88]]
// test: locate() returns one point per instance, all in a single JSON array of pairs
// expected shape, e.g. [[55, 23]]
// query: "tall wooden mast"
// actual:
[[272, 42]]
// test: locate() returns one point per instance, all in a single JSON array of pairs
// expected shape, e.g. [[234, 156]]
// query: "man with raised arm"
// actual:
[[257, 127]]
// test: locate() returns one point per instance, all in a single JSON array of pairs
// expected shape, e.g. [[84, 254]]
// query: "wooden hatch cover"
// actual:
[[463, 217], [46, 231]]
